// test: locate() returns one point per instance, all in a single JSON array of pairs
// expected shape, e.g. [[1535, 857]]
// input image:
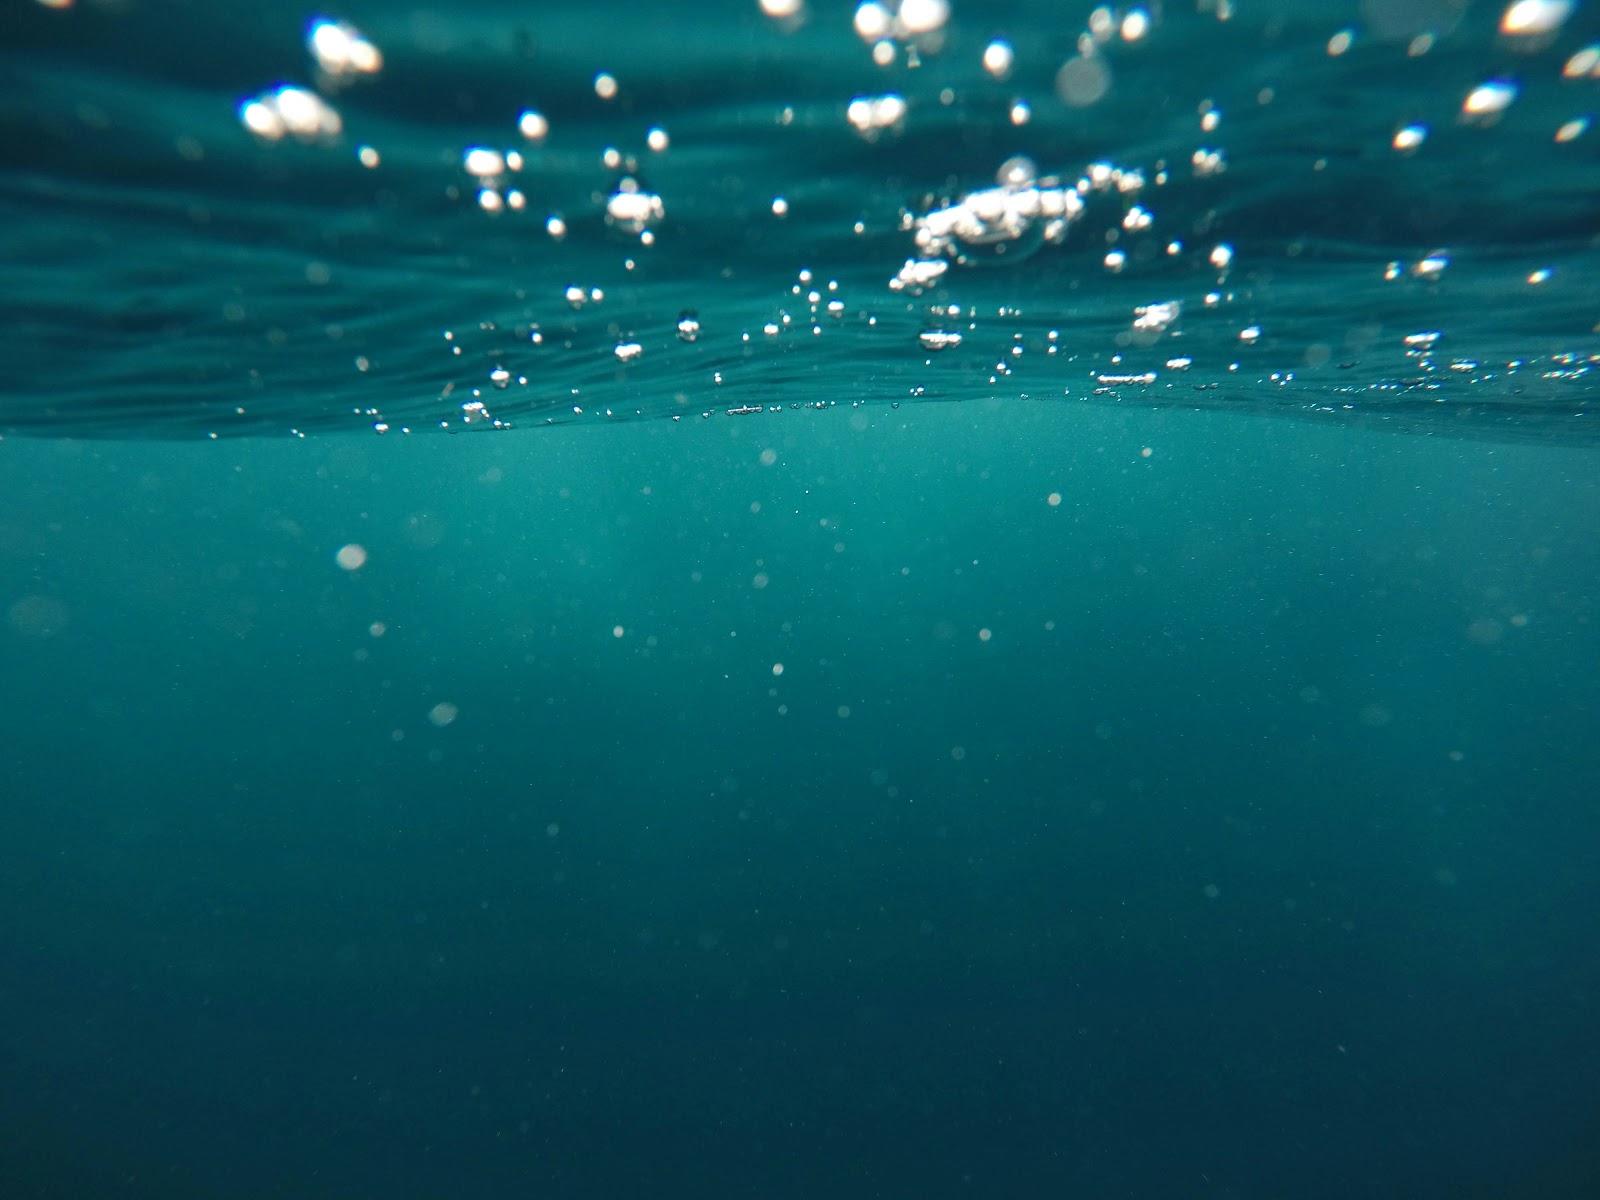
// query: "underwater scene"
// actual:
[[787, 598]]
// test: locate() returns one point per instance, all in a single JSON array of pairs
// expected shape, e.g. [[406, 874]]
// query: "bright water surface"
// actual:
[[1166, 768]]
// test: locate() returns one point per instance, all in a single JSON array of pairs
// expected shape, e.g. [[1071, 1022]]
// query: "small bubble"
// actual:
[[918, 17], [998, 57], [1529, 18], [873, 21], [1584, 62], [533, 125], [341, 50], [1410, 137], [1082, 81], [483, 162], [1488, 100]]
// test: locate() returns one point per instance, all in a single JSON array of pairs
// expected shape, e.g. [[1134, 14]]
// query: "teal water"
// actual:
[[174, 275], [1065, 789]]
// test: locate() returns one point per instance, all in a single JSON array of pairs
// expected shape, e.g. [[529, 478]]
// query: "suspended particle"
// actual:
[[998, 56], [533, 126]]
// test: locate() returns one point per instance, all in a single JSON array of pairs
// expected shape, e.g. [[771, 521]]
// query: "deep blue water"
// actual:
[[1106, 756]]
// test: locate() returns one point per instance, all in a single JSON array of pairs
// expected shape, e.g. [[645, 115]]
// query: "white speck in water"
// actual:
[[533, 125], [1488, 100], [998, 57], [483, 162], [1530, 18], [1410, 137]]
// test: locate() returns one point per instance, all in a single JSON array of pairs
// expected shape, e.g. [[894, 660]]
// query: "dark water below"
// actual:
[[1076, 788]]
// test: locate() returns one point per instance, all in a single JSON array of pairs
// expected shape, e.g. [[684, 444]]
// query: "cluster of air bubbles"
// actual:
[[918, 275], [1152, 320], [633, 209], [1001, 223], [339, 55], [873, 115], [489, 167], [917, 24], [290, 112], [341, 52], [1085, 78], [1428, 268], [1010, 219]]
